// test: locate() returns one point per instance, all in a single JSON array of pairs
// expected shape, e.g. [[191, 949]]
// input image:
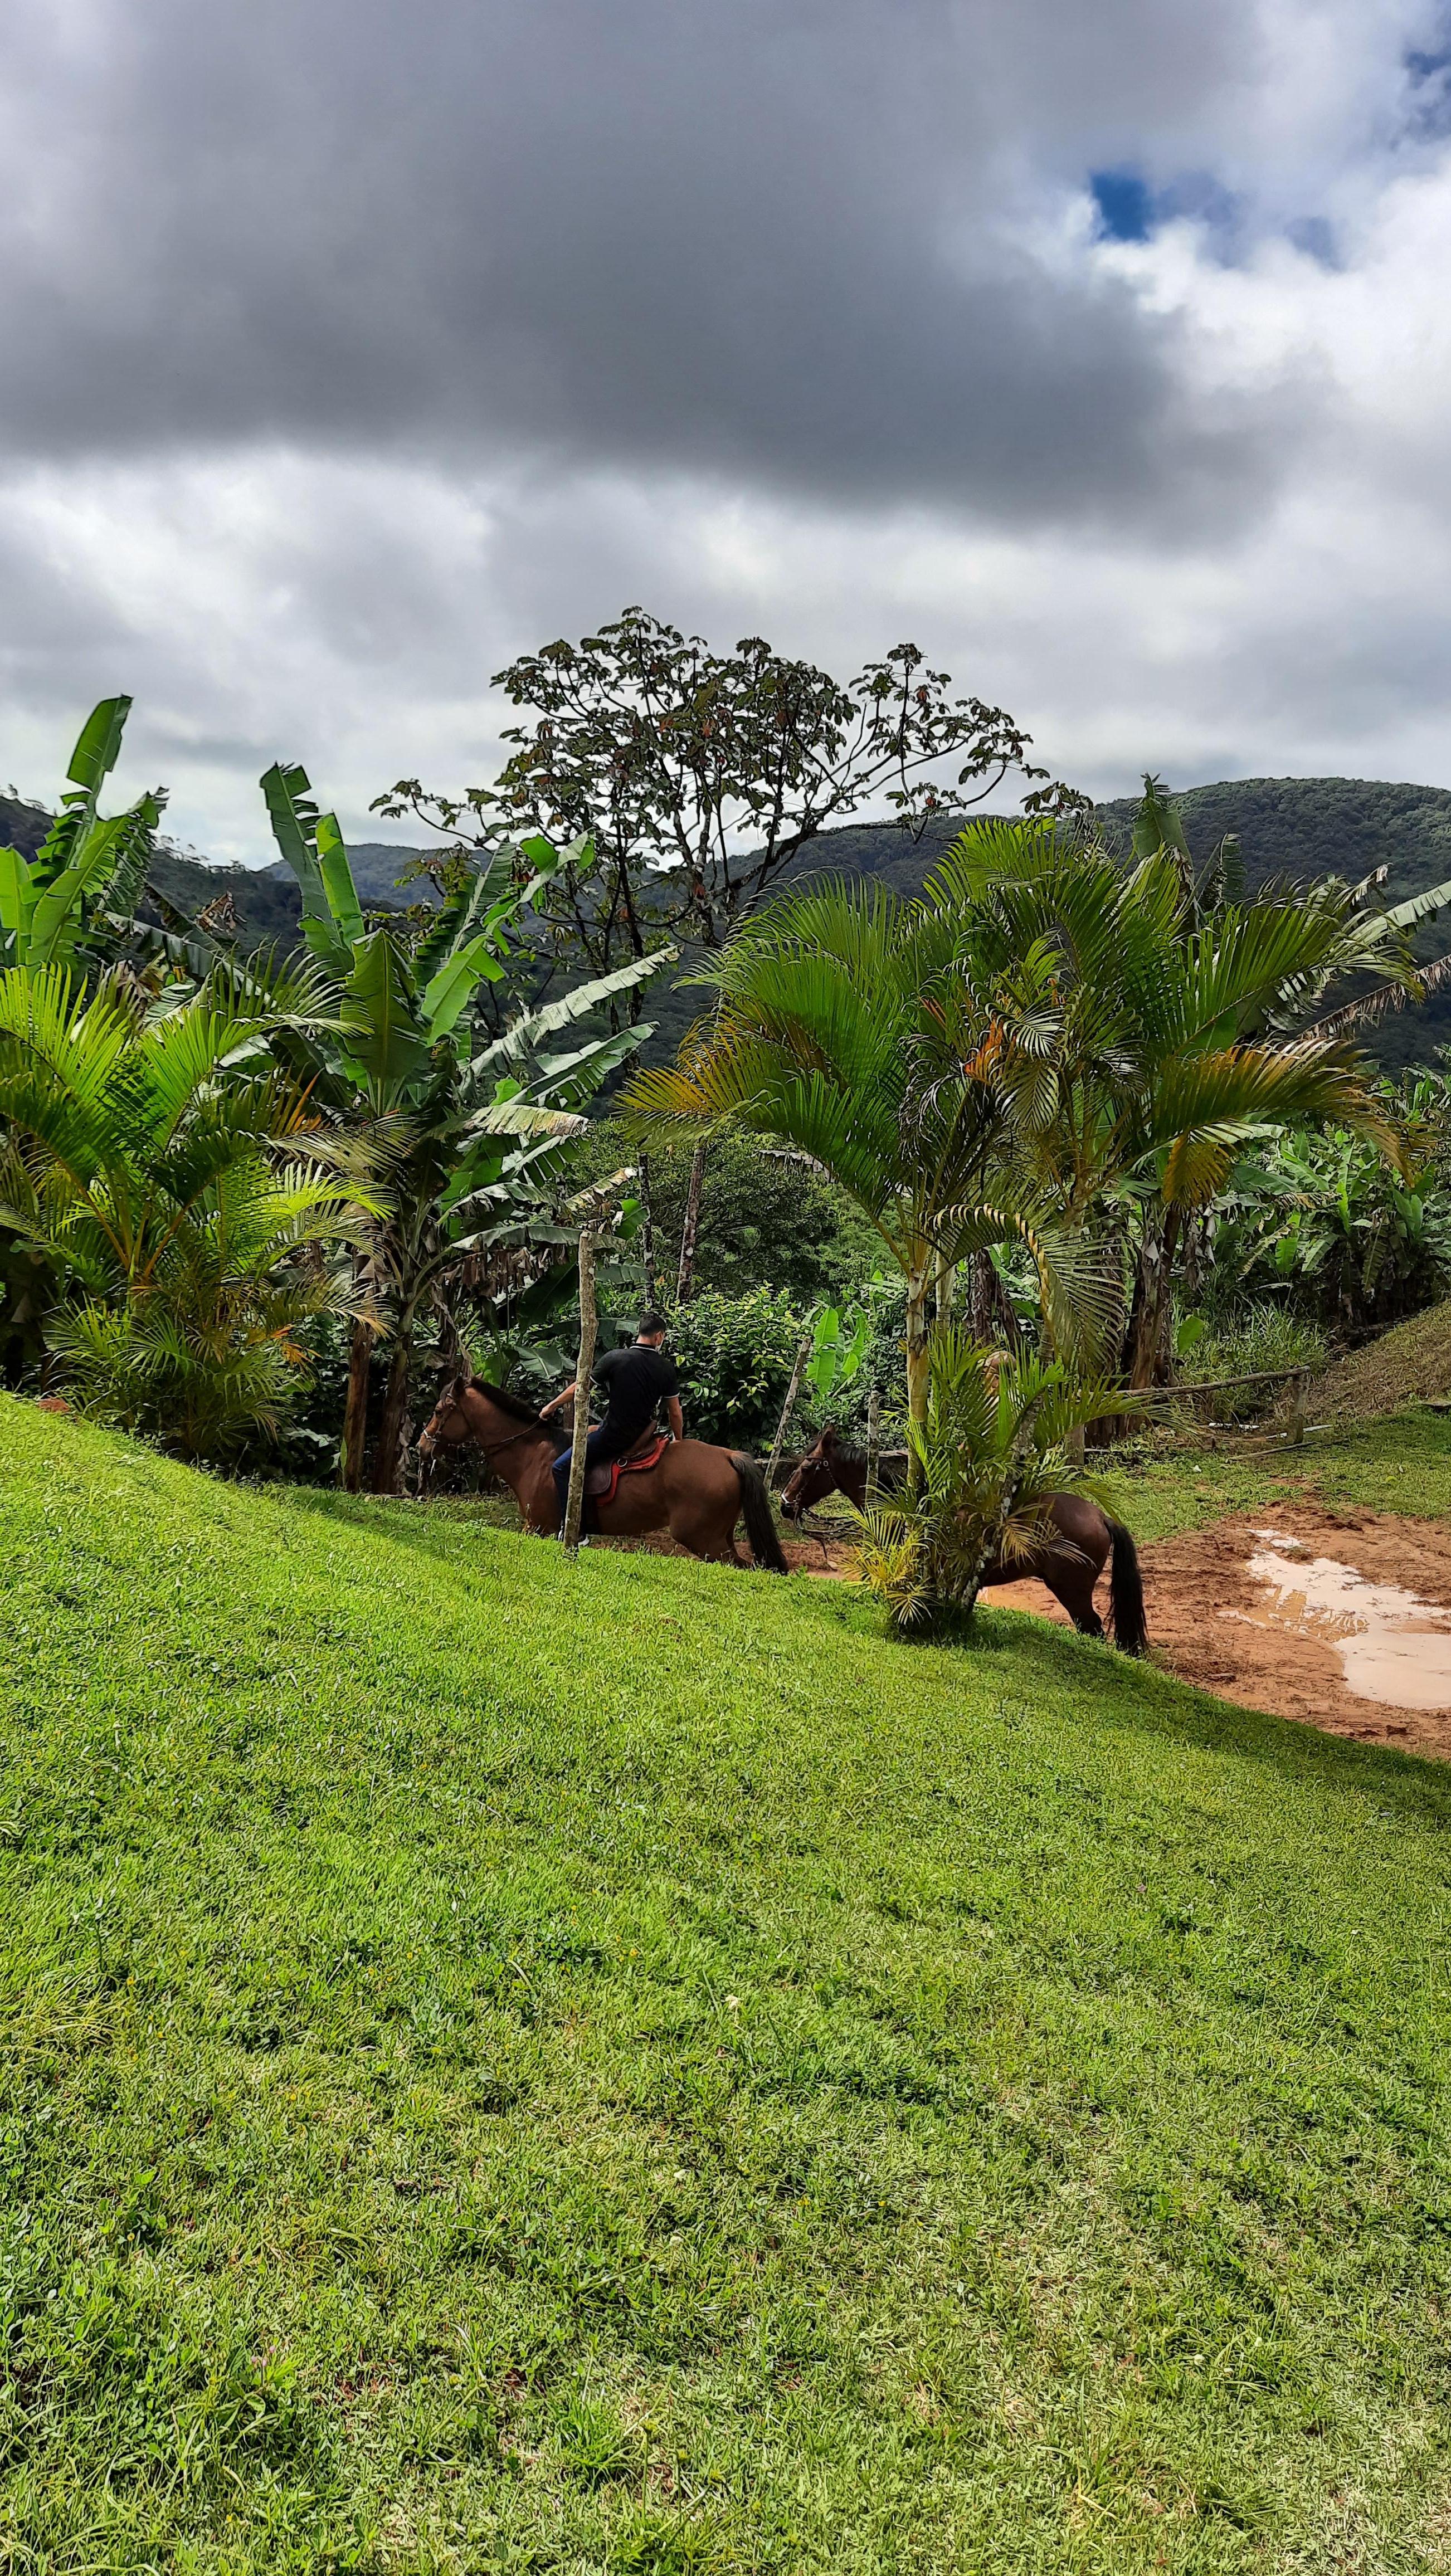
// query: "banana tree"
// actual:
[[87, 877], [471, 1136]]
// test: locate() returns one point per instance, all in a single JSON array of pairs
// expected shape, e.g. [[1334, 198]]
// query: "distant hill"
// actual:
[[1292, 827], [268, 905], [1288, 827]]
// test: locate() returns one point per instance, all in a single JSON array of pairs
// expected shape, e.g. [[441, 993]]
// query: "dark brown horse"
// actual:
[[695, 1491], [1069, 1565]]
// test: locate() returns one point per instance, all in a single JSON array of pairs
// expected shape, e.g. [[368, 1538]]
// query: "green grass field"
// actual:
[[613, 2066], [1399, 1463]]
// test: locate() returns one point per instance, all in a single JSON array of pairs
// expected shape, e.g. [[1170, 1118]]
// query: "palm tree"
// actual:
[[1039, 1030], [177, 1186], [1138, 1033], [1001, 1439], [834, 1033]]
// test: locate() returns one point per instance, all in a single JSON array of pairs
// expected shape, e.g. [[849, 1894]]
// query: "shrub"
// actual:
[[735, 1356], [1260, 1336]]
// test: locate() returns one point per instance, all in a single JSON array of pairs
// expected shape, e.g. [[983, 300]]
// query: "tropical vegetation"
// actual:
[[469, 1132], [174, 1187], [1095, 1106]]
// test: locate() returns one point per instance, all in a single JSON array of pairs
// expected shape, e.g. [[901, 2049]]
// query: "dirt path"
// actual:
[[1208, 1617]]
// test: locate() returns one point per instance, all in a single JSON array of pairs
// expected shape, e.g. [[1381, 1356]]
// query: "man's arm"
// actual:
[[675, 1417], [555, 1402]]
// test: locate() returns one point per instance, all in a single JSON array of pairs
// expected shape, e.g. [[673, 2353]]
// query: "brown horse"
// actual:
[[1070, 1565], [695, 1491]]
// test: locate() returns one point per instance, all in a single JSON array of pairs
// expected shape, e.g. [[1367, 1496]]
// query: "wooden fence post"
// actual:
[[690, 1231], [789, 1407], [874, 1443], [588, 1330]]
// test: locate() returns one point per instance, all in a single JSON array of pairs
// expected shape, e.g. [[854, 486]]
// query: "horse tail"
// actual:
[[1126, 1593], [761, 1537]]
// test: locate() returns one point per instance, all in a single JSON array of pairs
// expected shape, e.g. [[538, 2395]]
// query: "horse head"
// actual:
[[812, 1476], [448, 1425]]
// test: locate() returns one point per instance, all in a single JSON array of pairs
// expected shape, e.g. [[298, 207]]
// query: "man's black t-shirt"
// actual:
[[636, 1381]]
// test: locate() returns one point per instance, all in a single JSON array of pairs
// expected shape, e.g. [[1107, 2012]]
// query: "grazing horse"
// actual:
[[1070, 1564], [694, 1490]]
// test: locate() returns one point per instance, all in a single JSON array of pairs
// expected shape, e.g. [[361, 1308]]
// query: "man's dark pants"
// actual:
[[608, 1440]]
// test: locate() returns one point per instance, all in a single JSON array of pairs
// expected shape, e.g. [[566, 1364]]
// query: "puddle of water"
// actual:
[[1393, 1647]]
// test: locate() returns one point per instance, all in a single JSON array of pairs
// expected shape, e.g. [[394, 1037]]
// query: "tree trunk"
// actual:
[[355, 1417], [691, 1228], [588, 1328], [788, 1408], [919, 1358], [647, 1238], [389, 1460], [1153, 1305], [874, 1444]]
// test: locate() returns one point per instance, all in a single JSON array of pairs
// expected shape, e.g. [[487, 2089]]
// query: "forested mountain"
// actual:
[[1293, 827], [1288, 827]]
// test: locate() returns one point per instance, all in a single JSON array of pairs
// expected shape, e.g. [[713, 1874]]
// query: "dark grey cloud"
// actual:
[[787, 242]]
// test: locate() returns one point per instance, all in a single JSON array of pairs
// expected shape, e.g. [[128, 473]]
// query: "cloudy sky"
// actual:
[[352, 347]]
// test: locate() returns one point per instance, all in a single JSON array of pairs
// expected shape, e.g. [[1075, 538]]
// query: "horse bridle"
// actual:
[[489, 1449]]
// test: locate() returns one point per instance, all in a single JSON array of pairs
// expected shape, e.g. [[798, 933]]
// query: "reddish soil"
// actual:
[[1192, 1582]]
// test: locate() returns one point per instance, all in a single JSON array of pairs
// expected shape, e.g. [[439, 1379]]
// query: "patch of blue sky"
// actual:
[[1430, 103], [1125, 203], [1131, 210]]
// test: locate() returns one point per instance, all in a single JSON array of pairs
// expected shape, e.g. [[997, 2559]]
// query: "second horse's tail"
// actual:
[[1126, 1593], [761, 1536]]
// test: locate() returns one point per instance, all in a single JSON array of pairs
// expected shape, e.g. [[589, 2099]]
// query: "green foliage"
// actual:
[[735, 1356], [505, 2063], [61, 903], [1248, 1339], [474, 1132], [994, 1064], [994, 1447], [763, 1217], [839, 1347], [1324, 1220], [178, 1191]]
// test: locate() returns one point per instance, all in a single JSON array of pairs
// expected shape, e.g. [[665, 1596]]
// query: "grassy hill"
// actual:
[[513, 2065]]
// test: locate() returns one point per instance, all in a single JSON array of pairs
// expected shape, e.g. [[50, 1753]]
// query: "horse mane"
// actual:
[[519, 1410]]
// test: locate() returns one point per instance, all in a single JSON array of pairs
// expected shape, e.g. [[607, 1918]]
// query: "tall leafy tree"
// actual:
[[697, 776]]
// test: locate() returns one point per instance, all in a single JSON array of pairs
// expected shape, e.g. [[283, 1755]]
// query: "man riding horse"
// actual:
[[637, 1381]]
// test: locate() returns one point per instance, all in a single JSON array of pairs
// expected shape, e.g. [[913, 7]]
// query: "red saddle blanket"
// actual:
[[600, 1482]]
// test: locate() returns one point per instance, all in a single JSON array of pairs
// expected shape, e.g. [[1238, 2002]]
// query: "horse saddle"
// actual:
[[600, 1482]]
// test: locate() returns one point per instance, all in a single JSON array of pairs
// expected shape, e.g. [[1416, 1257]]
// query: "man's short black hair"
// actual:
[[649, 1322]]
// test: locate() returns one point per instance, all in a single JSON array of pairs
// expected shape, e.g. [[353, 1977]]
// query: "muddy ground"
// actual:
[[1207, 1615]]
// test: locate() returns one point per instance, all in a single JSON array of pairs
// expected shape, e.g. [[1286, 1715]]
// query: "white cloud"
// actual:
[[1185, 509]]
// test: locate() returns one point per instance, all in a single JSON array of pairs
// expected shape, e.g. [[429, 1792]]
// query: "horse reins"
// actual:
[[487, 1449]]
